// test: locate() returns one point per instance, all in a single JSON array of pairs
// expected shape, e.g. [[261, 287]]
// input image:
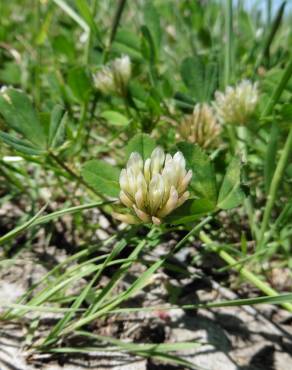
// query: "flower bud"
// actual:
[[238, 103], [201, 127]]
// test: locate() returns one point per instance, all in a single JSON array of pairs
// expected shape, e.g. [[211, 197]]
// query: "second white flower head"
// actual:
[[238, 103]]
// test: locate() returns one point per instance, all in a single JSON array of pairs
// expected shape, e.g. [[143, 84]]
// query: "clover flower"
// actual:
[[153, 188], [104, 80], [114, 77], [122, 71], [201, 127], [238, 103]]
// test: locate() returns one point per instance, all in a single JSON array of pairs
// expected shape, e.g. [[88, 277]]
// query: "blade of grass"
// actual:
[[19, 229], [72, 14], [246, 274], [97, 310], [161, 347], [277, 91], [94, 312], [36, 220], [278, 299], [77, 303], [270, 37]]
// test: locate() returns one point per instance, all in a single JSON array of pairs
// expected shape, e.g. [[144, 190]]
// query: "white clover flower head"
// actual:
[[238, 103], [114, 77], [122, 70], [153, 188], [104, 80], [201, 127]]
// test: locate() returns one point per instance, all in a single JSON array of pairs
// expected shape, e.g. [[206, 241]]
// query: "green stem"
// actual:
[[81, 128], [248, 205], [117, 19], [278, 174], [115, 25], [249, 276]]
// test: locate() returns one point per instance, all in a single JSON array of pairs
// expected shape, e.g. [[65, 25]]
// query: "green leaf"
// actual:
[[190, 211], [72, 14], [231, 194], [152, 20], [102, 176], [203, 181], [200, 77], [37, 219], [57, 127], [20, 145], [44, 30], [147, 46], [192, 73], [18, 111], [10, 73], [79, 83], [141, 143], [85, 11], [63, 46], [127, 42], [115, 118]]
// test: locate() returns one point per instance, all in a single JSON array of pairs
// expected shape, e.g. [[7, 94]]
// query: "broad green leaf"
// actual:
[[79, 83], [115, 118], [203, 181], [138, 92], [18, 111], [200, 77], [10, 73], [102, 176], [190, 211], [192, 72], [231, 194], [141, 143], [129, 38], [64, 46]]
